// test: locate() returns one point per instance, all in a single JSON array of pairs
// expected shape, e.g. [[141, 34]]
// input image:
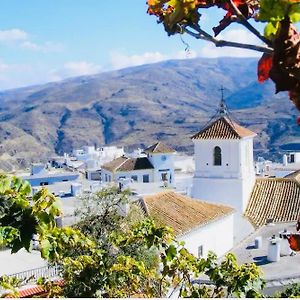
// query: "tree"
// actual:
[[97, 266], [22, 215], [281, 40]]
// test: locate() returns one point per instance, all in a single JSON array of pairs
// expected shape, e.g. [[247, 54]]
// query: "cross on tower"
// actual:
[[223, 108]]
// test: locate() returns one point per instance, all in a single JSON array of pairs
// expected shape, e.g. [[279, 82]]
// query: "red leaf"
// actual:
[[294, 241], [264, 66]]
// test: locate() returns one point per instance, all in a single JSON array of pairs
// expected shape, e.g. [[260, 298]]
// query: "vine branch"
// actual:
[[203, 35], [244, 21]]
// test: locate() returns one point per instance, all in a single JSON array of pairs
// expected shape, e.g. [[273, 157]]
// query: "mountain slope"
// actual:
[[136, 106]]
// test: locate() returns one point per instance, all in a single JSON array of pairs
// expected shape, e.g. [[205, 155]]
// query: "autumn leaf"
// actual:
[[264, 67]]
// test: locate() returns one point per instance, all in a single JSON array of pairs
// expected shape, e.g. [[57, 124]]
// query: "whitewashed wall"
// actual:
[[216, 236], [159, 164], [139, 173], [232, 182]]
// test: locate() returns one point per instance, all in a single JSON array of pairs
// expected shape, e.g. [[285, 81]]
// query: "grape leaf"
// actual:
[[264, 67]]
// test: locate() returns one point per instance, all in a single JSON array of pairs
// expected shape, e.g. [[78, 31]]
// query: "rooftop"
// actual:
[[286, 268], [182, 213], [274, 199], [295, 175], [20, 261], [159, 147], [223, 128], [128, 164]]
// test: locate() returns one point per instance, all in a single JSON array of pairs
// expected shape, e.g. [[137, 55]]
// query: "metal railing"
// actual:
[[34, 274]]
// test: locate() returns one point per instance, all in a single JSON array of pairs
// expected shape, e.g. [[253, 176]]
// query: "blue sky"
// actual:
[[49, 40]]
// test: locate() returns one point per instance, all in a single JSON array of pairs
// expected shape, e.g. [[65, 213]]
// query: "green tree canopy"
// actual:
[[129, 257]]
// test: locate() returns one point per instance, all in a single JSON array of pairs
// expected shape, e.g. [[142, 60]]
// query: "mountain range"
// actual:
[[167, 101]]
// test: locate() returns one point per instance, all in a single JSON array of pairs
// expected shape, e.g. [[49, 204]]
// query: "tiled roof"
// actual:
[[140, 163], [114, 164], [274, 199], [159, 147], [128, 164], [181, 212], [223, 128], [295, 175]]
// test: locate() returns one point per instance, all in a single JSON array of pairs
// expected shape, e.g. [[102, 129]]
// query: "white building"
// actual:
[[161, 157], [224, 168], [157, 166], [201, 225], [138, 169], [291, 158], [94, 158]]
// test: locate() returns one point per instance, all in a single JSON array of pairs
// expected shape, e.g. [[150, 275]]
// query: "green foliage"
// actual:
[[126, 256], [274, 11], [292, 291], [10, 285], [17, 221]]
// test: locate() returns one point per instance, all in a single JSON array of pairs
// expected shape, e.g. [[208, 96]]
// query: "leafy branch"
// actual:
[[203, 35]]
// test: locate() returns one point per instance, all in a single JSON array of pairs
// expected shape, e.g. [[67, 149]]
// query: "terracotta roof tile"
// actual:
[[223, 128], [295, 175], [181, 212], [128, 164], [277, 199], [114, 164], [159, 147], [140, 163]]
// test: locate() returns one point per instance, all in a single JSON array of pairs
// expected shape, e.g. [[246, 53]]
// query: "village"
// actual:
[[218, 200]]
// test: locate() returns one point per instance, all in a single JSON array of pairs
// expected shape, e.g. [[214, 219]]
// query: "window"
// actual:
[[44, 183], [292, 158], [164, 176], [217, 156], [134, 177], [163, 158], [146, 178], [200, 251], [106, 177]]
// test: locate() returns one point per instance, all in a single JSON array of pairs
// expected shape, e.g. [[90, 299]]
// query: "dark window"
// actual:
[[134, 177], [164, 176], [145, 178], [217, 156], [44, 183], [292, 158]]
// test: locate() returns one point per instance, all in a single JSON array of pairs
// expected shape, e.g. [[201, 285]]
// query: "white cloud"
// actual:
[[20, 75], [235, 35], [20, 38], [46, 47], [74, 68], [121, 60], [13, 35]]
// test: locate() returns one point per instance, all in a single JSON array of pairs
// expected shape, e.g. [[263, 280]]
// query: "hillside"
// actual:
[[166, 101]]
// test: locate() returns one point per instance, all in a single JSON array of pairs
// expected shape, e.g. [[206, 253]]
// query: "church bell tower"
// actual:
[[224, 168]]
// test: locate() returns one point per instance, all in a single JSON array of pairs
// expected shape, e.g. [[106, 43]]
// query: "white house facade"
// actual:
[[161, 157], [137, 169], [157, 166], [216, 236], [203, 226], [224, 167]]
